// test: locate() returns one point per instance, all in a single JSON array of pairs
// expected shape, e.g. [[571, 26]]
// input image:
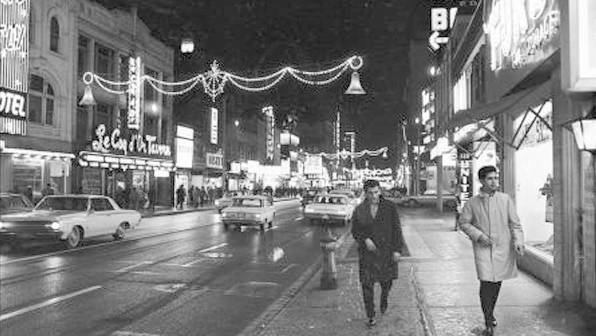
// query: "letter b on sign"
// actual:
[[439, 19]]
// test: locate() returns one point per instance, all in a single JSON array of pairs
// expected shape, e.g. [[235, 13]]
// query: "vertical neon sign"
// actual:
[[134, 92]]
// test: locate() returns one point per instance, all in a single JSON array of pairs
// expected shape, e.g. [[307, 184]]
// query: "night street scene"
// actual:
[[306, 167]]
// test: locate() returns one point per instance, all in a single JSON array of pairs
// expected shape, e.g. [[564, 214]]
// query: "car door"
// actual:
[[100, 217]]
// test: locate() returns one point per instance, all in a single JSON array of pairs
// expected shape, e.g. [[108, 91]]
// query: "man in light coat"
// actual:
[[491, 222]]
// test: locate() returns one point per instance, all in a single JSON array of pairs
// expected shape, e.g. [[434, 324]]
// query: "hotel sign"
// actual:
[[522, 32], [136, 143], [14, 65]]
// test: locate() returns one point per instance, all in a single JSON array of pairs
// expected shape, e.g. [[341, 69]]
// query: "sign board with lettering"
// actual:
[[134, 92], [442, 18], [214, 161], [270, 132], [134, 144], [14, 65], [214, 126]]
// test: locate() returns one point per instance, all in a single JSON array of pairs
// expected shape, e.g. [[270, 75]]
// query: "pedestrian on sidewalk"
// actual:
[[377, 230], [491, 222]]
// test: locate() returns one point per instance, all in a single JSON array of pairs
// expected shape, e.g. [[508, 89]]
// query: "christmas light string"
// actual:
[[356, 155], [214, 80]]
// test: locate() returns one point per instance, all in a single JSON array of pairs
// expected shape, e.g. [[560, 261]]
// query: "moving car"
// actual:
[[12, 203], [223, 202], [249, 210], [354, 200], [309, 196], [70, 219], [430, 198], [330, 208]]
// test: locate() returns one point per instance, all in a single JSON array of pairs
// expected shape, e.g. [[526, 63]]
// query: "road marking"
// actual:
[[47, 303], [288, 268], [145, 272], [131, 333], [299, 218], [213, 247], [127, 268], [169, 288]]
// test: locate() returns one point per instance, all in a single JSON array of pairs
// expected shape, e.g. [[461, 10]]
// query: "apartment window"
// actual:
[[150, 93], [41, 101], [83, 56], [54, 34], [104, 61], [102, 115]]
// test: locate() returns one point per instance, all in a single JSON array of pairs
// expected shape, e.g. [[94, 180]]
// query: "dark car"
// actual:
[[309, 196]]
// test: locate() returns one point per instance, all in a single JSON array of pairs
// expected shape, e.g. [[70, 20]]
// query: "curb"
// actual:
[[262, 321], [169, 213], [425, 320]]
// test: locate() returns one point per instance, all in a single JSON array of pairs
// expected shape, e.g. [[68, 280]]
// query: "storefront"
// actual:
[[117, 166]]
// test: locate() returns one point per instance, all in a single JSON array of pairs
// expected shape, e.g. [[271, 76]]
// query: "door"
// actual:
[[101, 217]]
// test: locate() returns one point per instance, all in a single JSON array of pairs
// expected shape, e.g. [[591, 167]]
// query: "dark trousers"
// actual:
[[368, 294], [489, 293]]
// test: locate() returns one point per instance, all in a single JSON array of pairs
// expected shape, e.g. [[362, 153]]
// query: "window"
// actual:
[[54, 34], [83, 56], [41, 101], [104, 61], [101, 204], [102, 115], [150, 93], [150, 125], [82, 121]]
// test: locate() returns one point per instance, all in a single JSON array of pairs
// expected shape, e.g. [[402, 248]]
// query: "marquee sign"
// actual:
[[134, 92], [136, 143], [522, 32], [14, 65]]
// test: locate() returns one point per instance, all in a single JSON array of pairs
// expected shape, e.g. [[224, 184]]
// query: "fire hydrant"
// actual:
[[328, 269]]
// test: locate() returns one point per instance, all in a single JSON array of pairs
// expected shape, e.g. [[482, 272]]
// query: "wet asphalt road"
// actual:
[[174, 275]]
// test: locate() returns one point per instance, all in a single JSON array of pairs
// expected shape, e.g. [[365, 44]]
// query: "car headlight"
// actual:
[[257, 216], [3, 225], [308, 210], [54, 226], [216, 202], [224, 214]]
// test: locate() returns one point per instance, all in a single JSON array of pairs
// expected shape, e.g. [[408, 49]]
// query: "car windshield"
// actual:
[[8, 203], [331, 200], [247, 202], [63, 203]]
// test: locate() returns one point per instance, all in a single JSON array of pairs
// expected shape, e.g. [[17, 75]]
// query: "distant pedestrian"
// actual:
[[151, 196], [133, 199], [491, 222], [377, 230], [180, 196], [48, 190]]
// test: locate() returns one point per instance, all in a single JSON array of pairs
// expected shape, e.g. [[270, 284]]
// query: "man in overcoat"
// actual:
[[491, 222], [377, 230]]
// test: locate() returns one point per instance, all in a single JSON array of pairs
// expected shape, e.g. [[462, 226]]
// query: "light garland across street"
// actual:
[[214, 80], [346, 154]]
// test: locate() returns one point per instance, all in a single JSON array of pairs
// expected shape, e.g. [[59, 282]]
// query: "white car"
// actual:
[[330, 208], [70, 218], [249, 210], [354, 200], [222, 203]]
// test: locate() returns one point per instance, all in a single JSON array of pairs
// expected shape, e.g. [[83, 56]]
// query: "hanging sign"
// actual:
[[270, 124], [14, 65], [134, 92], [214, 121], [214, 161], [136, 143]]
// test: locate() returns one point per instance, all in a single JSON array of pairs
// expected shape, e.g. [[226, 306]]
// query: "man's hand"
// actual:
[[370, 245], [396, 256], [520, 248], [485, 241]]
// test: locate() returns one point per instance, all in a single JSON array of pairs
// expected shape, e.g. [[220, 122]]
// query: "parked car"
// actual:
[[330, 208], [428, 198], [12, 203], [70, 219], [249, 210]]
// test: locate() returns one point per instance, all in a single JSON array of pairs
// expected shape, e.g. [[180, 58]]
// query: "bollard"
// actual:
[[328, 268]]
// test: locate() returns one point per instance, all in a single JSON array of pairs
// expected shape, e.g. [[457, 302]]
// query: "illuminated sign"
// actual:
[[214, 121], [579, 60], [105, 143], [134, 92], [270, 121], [184, 153], [214, 161], [442, 18], [464, 159], [337, 131], [14, 65], [522, 32]]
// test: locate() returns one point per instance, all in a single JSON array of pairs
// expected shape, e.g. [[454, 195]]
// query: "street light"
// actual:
[[584, 130], [236, 122], [187, 46]]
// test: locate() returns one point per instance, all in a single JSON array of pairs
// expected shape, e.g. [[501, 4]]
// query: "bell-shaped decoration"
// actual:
[[355, 87], [384, 156], [88, 98]]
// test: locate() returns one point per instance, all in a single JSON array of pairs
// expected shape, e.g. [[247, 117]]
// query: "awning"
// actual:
[[512, 104], [30, 153], [101, 160]]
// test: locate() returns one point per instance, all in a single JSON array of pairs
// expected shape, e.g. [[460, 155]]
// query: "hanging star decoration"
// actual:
[[214, 81]]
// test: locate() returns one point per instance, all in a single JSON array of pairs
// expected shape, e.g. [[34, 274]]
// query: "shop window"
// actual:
[[27, 173], [83, 56], [104, 61], [41, 101], [54, 34]]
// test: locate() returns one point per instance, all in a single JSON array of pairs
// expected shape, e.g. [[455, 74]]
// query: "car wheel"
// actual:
[[120, 232], [226, 227], [74, 239]]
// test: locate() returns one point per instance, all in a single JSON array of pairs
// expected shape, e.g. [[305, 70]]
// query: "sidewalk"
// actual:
[[436, 294]]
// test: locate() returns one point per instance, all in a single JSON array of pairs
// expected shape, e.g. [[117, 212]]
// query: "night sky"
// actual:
[[251, 37]]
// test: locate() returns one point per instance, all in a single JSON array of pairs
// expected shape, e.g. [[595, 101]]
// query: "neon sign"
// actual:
[[134, 92], [270, 119], [520, 31], [135, 144], [214, 121]]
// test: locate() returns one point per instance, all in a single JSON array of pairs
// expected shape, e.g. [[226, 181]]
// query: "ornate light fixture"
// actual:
[[88, 99], [584, 130], [355, 87]]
